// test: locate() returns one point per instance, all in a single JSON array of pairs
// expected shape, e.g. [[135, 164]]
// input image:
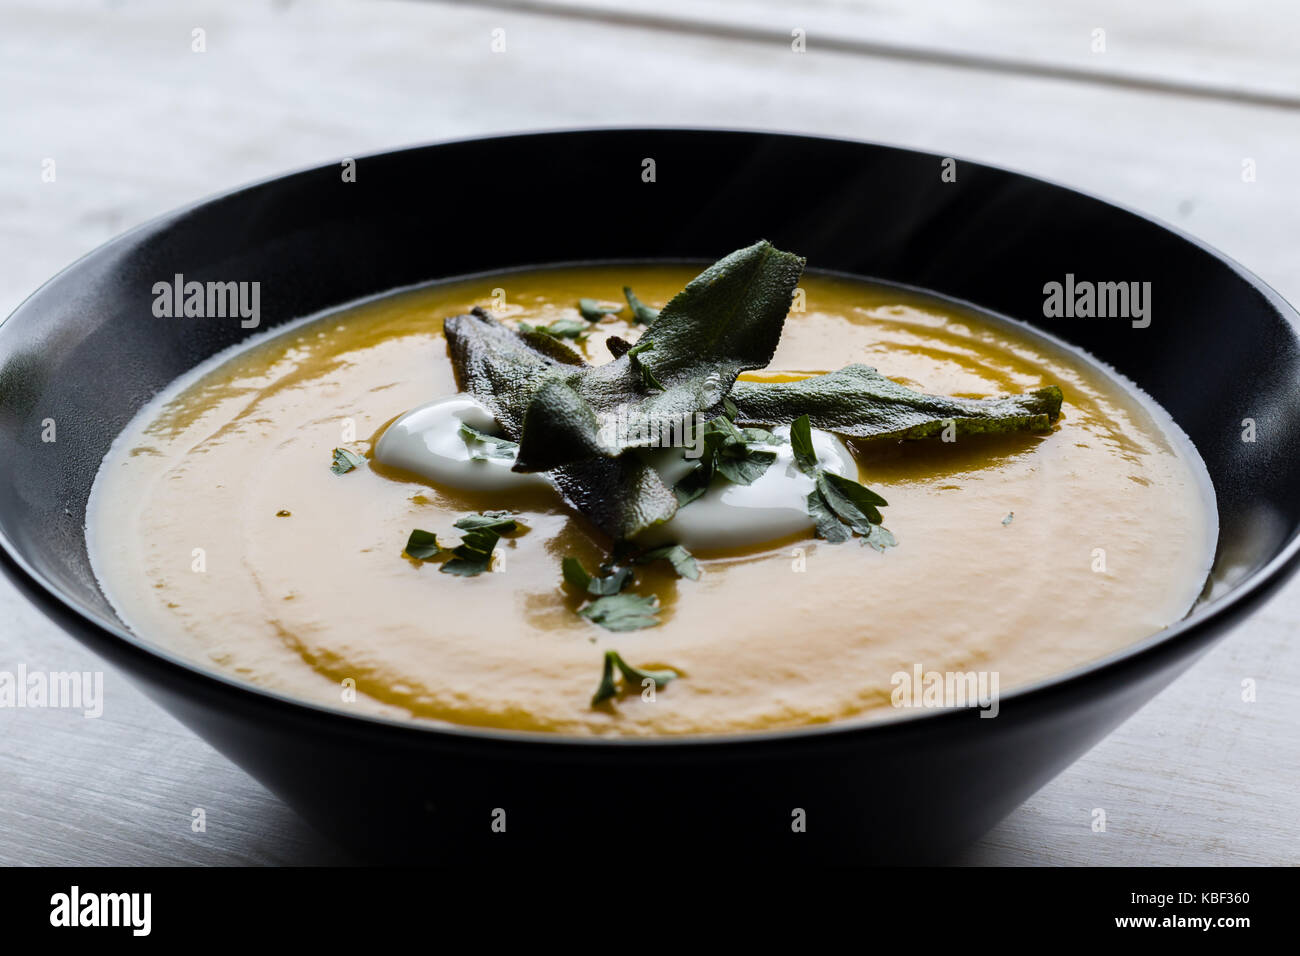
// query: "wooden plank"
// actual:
[[120, 789], [1243, 51]]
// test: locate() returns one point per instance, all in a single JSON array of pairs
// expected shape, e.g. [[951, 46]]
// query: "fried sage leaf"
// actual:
[[501, 367], [622, 496], [859, 402], [504, 369], [544, 396], [727, 320]]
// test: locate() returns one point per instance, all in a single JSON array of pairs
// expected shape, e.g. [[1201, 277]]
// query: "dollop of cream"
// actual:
[[427, 441], [773, 507]]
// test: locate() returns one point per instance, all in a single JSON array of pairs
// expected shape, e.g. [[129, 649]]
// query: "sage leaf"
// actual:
[[859, 402]]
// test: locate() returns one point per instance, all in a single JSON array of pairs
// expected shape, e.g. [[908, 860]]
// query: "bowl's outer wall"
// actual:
[[87, 352]]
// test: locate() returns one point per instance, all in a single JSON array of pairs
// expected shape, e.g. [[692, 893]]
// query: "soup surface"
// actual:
[[218, 530]]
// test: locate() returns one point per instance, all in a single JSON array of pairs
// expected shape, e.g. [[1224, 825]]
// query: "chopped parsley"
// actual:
[[502, 522], [840, 507], [730, 452], [600, 586], [632, 677], [345, 461], [642, 314], [575, 329], [423, 545], [622, 612], [472, 555], [648, 379], [593, 310], [683, 561], [483, 446]]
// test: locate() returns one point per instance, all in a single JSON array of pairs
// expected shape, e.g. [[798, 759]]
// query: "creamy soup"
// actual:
[[219, 531]]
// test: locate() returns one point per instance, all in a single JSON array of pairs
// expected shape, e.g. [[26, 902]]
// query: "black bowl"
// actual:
[[87, 351]]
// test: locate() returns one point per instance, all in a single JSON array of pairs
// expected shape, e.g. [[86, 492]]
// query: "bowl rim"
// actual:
[[1192, 629]]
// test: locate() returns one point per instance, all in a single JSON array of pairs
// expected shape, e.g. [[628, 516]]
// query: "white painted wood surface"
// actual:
[[137, 124]]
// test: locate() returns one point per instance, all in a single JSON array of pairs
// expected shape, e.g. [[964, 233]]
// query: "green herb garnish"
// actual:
[[593, 311], [561, 329], [728, 451], [879, 538], [642, 314], [633, 676], [826, 523], [622, 612], [482, 532], [801, 443], [647, 377], [600, 586], [423, 545], [501, 522], [345, 461], [683, 561], [839, 506], [473, 554], [483, 446]]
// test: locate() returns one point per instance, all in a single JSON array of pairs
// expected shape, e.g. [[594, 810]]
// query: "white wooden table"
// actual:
[[1163, 120]]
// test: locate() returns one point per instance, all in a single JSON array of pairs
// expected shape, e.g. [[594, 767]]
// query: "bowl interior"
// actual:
[[86, 352]]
